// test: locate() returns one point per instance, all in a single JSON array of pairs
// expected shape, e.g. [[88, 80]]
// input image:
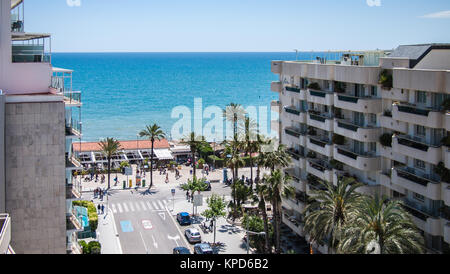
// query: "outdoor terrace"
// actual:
[[31, 48]]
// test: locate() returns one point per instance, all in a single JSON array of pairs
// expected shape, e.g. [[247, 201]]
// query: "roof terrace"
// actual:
[[347, 58]]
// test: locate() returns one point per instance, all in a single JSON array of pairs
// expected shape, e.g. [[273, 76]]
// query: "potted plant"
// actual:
[[386, 80], [446, 106], [386, 140], [314, 86], [338, 139]]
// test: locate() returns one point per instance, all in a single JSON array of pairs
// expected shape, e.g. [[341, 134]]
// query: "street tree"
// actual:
[[216, 209]]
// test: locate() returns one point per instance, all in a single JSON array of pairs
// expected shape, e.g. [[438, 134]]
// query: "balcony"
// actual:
[[415, 79], [388, 153], [17, 16], [73, 129], [5, 233], [276, 67], [72, 192], [320, 169], [295, 204], [423, 185], [73, 224], [294, 132], [447, 121], [446, 156], [407, 146], [73, 164], [424, 221], [298, 159], [366, 162], [294, 224], [276, 87], [447, 233], [446, 194], [367, 75], [320, 145], [275, 106], [356, 132], [293, 89], [359, 104], [415, 115], [388, 122], [320, 97], [320, 121], [395, 94], [30, 48], [294, 114]]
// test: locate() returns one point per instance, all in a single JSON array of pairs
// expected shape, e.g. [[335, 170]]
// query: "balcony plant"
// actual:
[[386, 80], [386, 140], [446, 106], [338, 139], [312, 131], [388, 113], [443, 172], [337, 165], [314, 86], [446, 141], [311, 154], [339, 87]]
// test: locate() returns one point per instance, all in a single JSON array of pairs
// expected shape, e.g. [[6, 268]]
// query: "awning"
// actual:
[[163, 154]]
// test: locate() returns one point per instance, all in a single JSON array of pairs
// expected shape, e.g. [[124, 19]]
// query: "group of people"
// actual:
[[101, 208], [98, 192]]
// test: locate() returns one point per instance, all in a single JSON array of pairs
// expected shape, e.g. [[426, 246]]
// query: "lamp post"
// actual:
[[296, 54]]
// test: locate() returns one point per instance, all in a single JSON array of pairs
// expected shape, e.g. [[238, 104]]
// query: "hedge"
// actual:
[[92, 213], [220, 163]]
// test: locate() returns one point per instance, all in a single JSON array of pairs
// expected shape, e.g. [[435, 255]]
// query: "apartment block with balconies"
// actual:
[[40, 119], [381, 117]]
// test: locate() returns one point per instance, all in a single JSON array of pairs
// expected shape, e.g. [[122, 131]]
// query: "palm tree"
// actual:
[[277, 158], [261, 143], [233, 160], [278, 187], [234, 113], [330, 210], [153, 133], [250, 145], [261, 194], [382, 226], [194, 142], [109, 147]]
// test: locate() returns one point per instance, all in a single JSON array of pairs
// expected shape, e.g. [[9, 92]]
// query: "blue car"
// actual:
[[181, 250], [183, 218]]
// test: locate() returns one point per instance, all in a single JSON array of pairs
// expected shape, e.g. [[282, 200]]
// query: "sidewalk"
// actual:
[[107, 233], [231, 235]]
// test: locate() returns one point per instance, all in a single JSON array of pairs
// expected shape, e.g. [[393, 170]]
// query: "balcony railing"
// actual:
[[317, 93], [414, 110], [348, 126], [293, 89], [319, 165], [317, 117], [292, 110], [410, 176], [296, 154], [294, 132], [5, 233], [73, 97], [410, 142], [317, 142], [74, 127], [17, 26]]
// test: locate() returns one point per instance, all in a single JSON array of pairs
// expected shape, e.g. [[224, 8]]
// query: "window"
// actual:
[[419, 164], [372, 147], [374, 91], [420, 131], [421, 97], [373, 118], [418, 197]]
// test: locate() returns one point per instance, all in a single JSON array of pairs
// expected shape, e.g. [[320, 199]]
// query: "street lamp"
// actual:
[[296, 54]]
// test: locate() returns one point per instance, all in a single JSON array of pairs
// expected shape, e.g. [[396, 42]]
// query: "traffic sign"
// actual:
[[173, 192], [198, 200]]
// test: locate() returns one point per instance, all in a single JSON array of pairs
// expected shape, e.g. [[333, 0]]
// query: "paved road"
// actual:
[[143, 220]]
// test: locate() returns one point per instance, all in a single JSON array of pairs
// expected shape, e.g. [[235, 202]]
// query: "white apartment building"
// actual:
[[40, 116], [334, 114]]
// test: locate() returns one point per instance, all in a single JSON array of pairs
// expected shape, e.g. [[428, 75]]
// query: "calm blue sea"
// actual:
[[123, 92]]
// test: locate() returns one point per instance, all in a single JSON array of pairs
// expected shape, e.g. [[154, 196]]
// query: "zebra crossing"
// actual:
[[138, 206]]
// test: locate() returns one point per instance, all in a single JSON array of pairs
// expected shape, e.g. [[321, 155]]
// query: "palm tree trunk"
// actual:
[[262, 207], [251, 171], [275, 226], [151, 167], [193, 163], [109, 172]]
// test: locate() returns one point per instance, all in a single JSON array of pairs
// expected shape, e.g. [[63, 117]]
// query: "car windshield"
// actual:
[[195, 233]]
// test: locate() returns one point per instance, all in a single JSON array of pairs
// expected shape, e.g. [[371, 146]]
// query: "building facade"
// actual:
[[338, 116], [40, 116]]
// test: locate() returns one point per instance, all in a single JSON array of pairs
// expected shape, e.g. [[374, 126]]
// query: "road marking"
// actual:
[[147, 224], [155, 244], [149, 205], [176, 238], [119, 208], [160, 204], [131, 207], [145, 246], [126, 226], [114, 210], [155, 206], [162, 215], [138, 208], [143, 206], [165, 202], [125, 207]]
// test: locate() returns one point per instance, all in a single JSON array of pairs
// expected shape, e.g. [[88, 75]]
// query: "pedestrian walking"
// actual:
[[99, 208], [187, 195], [167, 178], [103, 209]]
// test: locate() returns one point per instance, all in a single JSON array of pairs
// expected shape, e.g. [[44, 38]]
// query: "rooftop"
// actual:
[[415, 53], [124, 145]]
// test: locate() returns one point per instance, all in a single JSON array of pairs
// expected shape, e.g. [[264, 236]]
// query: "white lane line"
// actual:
[[155, 206], [145, 246], [125, 207], [131, 207], [149, 205], [138, 208], [160, 204], [165, 202], [117, 234], [143, 206], [114, 210]]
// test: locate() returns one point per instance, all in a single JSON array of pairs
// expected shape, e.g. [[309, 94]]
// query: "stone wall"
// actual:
[[35, 176]]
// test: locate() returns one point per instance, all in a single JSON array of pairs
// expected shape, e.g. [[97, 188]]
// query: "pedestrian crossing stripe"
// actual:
[[143, 205], [138, 208], [160, 204], [119, 207], [165, 202], [125, 207], [131, 207], [114, 208], [154, 205], [149, 205]]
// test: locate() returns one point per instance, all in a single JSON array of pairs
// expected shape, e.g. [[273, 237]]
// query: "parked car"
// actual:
[[183, 218], [193, 235], [181, 250], [203, 248]]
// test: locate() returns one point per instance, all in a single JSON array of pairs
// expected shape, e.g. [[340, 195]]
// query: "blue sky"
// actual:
[[237, 25]]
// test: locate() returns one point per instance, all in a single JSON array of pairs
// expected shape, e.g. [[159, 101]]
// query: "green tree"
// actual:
[[261, 194], [194, 185], [216, 209], [235, 114], [278, 187], [330, 210], [277, 158], [241, 194], [256, 224], [194, 142], [153, 133], [381, 226], [250, 145], [109, 147]]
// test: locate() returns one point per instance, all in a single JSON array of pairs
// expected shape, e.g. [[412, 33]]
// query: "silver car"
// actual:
[[193, 235]]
